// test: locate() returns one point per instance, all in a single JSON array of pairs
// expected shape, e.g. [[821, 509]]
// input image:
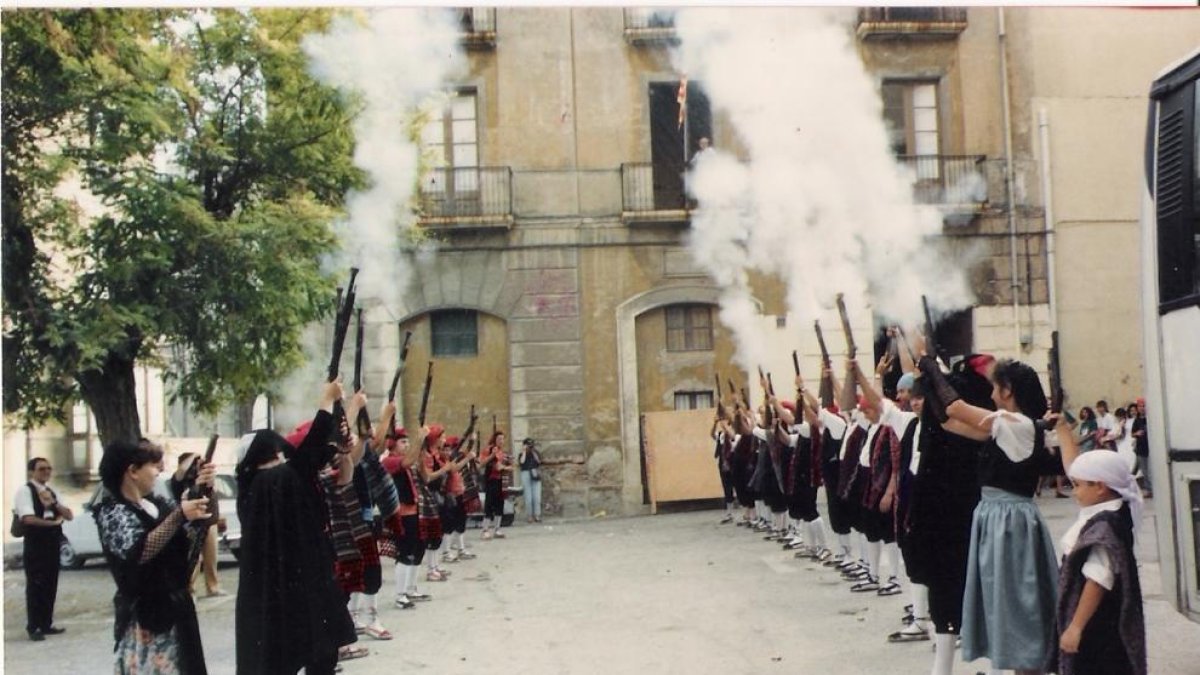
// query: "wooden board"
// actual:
[[679, 456]]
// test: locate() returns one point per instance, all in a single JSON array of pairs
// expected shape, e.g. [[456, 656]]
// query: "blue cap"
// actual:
[[906, 382]]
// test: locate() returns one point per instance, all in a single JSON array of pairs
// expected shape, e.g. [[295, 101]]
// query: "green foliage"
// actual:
[[218, 164]]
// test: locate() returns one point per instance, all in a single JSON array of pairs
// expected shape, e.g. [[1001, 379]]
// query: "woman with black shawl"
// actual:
[[150, 548], [290, 612]]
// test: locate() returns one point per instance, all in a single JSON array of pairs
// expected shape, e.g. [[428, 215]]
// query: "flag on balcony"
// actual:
[[681, 98]]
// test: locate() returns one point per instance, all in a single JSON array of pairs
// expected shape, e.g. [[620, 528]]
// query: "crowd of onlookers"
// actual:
[[1122, 431]]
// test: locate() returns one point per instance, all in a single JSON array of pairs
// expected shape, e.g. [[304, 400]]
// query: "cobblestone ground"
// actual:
[[664, 594]]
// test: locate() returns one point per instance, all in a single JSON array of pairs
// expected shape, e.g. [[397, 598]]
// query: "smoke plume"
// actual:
[[821, 201], [392, 60]]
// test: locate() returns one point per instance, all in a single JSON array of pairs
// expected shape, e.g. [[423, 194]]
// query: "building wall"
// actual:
[[1090, 71], [570, 296]]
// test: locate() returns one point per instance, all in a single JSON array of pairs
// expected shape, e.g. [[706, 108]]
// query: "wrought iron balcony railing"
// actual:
[[653, 194], [936, 23], [950, 180], [467, 197], [645, 25], [478, 27]]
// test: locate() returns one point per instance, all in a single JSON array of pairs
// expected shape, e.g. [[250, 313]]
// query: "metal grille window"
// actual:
[[693, 400], [689, 328], [455, 332], [911, 112]]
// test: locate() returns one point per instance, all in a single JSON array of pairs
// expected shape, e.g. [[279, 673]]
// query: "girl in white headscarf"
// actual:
[[1100, 624]]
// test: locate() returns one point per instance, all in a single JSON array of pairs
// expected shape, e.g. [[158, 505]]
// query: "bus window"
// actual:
[[1177, 194]]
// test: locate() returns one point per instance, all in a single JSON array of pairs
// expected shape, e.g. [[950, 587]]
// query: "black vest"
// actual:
[[43, 536], [998, 471]]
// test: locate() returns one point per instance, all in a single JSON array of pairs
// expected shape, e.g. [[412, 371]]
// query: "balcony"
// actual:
[[477, 28], [645, 26], [956, 183], [653, 196], [928, 23], [466, 198]]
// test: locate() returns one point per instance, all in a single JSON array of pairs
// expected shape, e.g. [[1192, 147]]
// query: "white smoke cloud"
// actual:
[[393, 59], [396, 63], [821, 202]]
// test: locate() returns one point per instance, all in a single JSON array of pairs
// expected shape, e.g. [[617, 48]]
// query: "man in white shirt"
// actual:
[[42, 515]]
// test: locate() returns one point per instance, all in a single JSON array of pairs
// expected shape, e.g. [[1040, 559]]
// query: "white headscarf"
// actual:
[[244, 444], [1111, 469]]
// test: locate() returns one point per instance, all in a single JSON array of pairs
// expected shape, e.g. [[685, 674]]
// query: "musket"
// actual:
[[851, 349], [340, 328], [471, 426], [907, 346], [493, 425], [396, 381], [197, 492], [1056, 389], [795, 362], [931, 345], [717, 393], [425, 395], [364, 417], [826, 389]]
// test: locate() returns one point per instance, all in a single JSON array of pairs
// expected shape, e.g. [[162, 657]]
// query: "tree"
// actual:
[[218, 164]]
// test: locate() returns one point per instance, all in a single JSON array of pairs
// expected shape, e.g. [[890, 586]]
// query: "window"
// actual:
[[911, 112], [450, 143], [455, 332], [689, 328], [693, 400], [83, 425]]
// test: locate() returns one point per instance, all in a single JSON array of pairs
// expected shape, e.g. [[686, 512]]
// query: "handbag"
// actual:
[[535, 473], [18, 527]]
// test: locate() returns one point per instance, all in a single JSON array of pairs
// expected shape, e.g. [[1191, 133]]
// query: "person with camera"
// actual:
[[530, 461], [39, 516]]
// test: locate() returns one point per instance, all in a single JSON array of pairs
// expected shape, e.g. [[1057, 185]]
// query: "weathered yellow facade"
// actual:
[[572, 278]]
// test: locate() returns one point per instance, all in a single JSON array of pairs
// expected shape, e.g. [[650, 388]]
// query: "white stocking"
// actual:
[[874, 550], [943, 654]]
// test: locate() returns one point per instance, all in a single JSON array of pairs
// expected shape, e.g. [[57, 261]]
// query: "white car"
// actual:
[[81, 541]]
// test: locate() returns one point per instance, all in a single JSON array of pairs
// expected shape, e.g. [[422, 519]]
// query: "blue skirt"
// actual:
[[1012, 583]]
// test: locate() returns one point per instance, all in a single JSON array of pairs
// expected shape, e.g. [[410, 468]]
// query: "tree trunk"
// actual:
[[111, 394]]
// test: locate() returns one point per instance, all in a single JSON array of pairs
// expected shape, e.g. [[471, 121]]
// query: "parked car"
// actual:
[[81, 540]]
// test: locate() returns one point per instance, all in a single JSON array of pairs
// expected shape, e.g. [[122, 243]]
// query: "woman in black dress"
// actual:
[[150, 548]]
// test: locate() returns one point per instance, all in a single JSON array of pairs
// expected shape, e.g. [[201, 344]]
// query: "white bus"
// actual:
[[1171, 322]]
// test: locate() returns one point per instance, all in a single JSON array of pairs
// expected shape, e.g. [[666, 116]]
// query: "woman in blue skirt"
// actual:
[[1011, 591]]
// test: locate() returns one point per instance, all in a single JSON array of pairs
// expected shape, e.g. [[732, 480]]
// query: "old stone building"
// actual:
[[562, 299]]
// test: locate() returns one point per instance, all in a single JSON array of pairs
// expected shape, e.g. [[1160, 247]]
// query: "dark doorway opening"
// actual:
[[673, 142]]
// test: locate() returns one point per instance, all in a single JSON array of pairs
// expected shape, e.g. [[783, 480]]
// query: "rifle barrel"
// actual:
[[358, 351], [851, 349], [425, 395]]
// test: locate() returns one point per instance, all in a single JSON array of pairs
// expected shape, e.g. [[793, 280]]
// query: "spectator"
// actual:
[[1119, 439], [180, 482], [531, 478], [1141, 446], [1086, 437], [42, 515], [1105, 422]]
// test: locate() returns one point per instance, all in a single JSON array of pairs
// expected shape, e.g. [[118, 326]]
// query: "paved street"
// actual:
[[665, 594]]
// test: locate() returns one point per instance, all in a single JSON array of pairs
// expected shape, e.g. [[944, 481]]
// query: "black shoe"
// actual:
[[54, 630], [36, 635]]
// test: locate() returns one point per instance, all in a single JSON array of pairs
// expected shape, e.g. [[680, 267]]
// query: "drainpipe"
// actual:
[[1048, 202], [1009, 182]]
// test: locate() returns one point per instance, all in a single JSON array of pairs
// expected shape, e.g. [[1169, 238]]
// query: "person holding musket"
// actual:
[[290, 612], [149, 546]]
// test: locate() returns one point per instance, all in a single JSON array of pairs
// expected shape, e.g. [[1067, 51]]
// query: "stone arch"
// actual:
[[627, 375]]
